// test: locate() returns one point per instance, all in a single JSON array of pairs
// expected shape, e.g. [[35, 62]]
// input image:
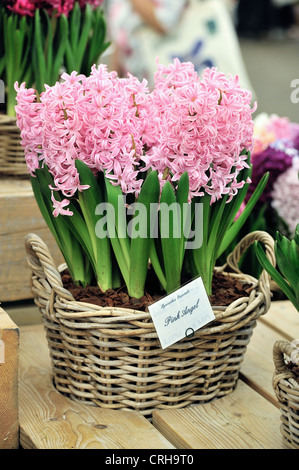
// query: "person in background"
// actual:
[[124, 17]]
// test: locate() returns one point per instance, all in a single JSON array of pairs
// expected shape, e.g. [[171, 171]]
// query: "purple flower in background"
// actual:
[[285, 196], [296, 142], [274, 161]]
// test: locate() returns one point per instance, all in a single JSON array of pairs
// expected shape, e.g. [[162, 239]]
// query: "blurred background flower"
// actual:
[[276, 150]]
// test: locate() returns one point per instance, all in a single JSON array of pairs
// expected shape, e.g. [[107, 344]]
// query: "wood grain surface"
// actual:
[[9, 369], [49, 420]]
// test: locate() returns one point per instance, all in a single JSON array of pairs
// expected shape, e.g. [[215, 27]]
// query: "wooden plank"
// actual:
[[9, 362], [280, 322], [240, 420], [20, 215], [284, 318], [258, 367], [23, 312], [49, 420]]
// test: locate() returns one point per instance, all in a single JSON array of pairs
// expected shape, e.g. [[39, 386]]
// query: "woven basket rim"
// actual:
[[67, 308]]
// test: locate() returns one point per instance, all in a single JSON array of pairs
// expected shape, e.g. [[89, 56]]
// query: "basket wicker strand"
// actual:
[[112, 357], [12, 157], [286, 389]]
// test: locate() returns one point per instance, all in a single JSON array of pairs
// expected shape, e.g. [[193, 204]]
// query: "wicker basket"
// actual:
[[286, 389], [112, 357], [12, 158]]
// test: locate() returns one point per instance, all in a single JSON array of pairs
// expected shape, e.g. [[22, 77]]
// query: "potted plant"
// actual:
[[286, 354], [106, 158], [39, 39]]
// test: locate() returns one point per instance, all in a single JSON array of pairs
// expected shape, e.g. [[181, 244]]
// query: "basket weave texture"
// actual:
[[286, 389], [112, 357], [12, 158]]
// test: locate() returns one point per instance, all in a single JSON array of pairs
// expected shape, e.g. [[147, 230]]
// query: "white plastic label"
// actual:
[[181, 313]]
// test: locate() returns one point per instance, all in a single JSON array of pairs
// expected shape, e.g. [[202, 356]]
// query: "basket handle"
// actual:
[[234, 258], [42, 264], [260, 236], [280, 349]]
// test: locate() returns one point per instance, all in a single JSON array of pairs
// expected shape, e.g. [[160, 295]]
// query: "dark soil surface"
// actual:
[[224, 291]]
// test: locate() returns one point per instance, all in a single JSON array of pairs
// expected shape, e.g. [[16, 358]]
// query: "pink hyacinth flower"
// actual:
[[59, 207]]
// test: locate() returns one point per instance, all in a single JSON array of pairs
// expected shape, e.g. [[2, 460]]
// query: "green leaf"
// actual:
[[296, 235], [156, 263], [75, 25], [118, 227], [199, 260], [69, 247], [170, 237], [287, 256], [40, 72], [231, 209], [141, 245], [61, 40], [75, 223], [182, 197], [276, 276], [89, 199], [96, 43], [234, 229]]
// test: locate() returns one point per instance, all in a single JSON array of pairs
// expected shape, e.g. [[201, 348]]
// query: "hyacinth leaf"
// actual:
[[69, 247], [23, 47], [231, 209], [97, 44], [74, 256], [74, 23], [217, 216], [60, 50], [200, 262], [182, 197], [234, 205], [287, 256], [85, 31], [156, 263], [116, 198], [88, 201], [48, 51], [39, 56], [234, 229], [16, 48], [98, 37], [170, 237], [141, 244], [41, 202], [117, 228], [83, 48], [75, 223], [80, 27], [291, 294]]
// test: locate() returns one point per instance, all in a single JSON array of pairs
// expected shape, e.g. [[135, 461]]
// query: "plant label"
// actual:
[[181, 313]]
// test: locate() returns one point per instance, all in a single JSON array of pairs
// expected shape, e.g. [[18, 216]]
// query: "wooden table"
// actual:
[[248, 418]]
